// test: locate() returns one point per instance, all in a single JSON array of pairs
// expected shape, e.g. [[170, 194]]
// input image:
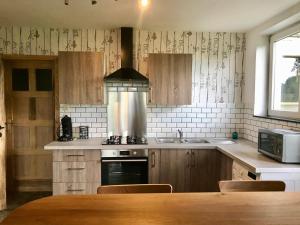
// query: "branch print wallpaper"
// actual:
[[218, 58]]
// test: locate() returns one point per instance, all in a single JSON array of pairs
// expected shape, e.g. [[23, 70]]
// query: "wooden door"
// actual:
[[170, 77], [2, 140], [81, 77], [175, 168], [30, 117], [154, 166]]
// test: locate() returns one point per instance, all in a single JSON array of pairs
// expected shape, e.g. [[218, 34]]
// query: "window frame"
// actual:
[[274, 38]]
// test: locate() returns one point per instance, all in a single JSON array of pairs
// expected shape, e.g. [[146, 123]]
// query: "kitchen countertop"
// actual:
[[243, 151]]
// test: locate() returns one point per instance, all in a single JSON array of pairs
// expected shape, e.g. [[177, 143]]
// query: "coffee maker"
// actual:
[[67, 134]]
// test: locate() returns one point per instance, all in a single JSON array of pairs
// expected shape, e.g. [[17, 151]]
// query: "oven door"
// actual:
[[117, 171], [270, 144]]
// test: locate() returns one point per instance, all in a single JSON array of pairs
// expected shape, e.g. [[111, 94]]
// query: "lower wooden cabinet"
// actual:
[[74, 188], [240, 172], [76, 171], [188, 170]]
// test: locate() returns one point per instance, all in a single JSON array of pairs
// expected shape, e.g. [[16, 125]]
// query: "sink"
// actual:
[[167, 140], [223, 141], [195, 140], [177, 141]]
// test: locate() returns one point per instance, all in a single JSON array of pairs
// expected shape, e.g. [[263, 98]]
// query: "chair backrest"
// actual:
[[135, 188], [251, 186]]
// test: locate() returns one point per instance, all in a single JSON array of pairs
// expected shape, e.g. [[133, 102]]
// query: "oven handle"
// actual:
[[124, 160]]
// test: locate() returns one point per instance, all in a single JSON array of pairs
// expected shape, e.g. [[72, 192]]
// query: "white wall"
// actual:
[[257, 40], [256, 78]]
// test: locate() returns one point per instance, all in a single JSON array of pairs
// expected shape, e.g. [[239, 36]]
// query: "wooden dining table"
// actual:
[[255, 208]]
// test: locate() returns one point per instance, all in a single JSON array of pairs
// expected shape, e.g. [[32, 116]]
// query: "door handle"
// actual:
[[1, 129]]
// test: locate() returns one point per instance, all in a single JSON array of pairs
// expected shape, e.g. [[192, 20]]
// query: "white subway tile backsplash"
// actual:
[[197, 120]]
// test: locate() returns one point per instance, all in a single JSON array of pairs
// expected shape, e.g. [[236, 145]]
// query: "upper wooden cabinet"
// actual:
[[170, 77], [80, 77]]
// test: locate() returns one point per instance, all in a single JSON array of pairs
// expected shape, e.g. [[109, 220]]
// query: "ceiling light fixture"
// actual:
[[67, 2], [94, 2], [144, 3]]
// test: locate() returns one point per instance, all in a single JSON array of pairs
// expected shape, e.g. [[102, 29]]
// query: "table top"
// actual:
[[255, 208]]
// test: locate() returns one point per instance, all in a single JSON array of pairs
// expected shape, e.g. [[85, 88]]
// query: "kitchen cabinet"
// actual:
[[170, 166], [189, 170], [81, 78], [240, 172], [203, 170], [76, 171], [175, 168], [170, 78]]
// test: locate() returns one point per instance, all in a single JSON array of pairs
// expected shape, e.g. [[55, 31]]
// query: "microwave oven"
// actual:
[[280, 144]]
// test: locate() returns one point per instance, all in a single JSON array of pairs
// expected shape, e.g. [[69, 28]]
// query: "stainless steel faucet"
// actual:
[[180, 135]]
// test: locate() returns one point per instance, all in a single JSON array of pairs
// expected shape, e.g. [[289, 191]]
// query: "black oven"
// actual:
[[124, 167]]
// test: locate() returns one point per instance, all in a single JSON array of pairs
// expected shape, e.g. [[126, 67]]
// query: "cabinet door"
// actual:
[[154, 166], [225, 166], [170, 78], [175, 168], [204, 170], [80, 77]]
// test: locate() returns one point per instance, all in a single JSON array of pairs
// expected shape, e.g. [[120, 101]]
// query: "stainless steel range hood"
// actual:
[[126, 72]]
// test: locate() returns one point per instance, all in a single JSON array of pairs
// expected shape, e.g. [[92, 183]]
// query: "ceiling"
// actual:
[[196, 15]]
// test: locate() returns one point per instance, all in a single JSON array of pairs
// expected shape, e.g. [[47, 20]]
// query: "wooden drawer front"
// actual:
[[76, 155], [239, 172], [76, 171], [74, 188]]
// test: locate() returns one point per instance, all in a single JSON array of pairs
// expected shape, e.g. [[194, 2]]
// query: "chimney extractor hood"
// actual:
[[126, 72]]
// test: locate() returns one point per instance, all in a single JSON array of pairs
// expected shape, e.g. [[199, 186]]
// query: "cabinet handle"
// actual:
[[193, 163], [75, 155], [150, 97], [152, 159], [188, 159], [75, 190], [82, 168]]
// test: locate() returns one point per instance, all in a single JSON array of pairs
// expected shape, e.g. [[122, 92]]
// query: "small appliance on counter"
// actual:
[[83, 132], [66, 125], [279, 144]]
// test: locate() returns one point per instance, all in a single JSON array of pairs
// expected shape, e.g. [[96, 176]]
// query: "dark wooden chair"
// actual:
[[251, 186], [135, 188]]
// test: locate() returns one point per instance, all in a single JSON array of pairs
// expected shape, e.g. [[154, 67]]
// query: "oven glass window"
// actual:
[[268, 143], [114, 173]]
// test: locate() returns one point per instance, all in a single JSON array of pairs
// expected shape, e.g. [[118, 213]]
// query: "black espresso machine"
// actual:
[[66, 126]]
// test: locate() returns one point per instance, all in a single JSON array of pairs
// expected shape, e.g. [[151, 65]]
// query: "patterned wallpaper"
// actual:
[[218, 58]]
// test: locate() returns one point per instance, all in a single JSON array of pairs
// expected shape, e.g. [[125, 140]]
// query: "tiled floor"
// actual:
[[19, 199]]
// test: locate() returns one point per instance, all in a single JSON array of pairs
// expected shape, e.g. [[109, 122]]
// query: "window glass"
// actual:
[[286, 72], [43, 79], [20, 80]]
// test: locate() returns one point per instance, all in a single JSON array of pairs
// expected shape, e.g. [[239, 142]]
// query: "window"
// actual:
[[20, 79], [43, 79], [285, 74]]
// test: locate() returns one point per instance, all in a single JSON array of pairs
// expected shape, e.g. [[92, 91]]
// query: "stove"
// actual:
[[129, 140]]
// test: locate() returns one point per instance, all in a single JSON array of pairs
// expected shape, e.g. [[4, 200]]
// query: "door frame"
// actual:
[[7, 58]]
